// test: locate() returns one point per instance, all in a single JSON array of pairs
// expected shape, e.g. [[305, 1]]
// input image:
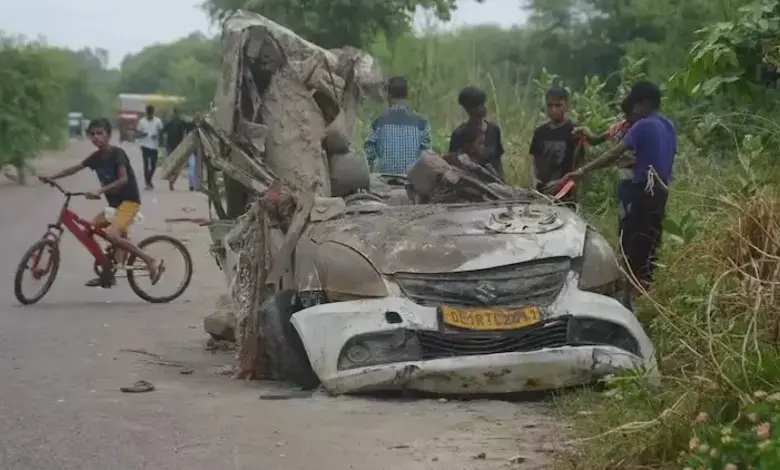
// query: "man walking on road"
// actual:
[[399, 135], [149, 130], [175, 130]]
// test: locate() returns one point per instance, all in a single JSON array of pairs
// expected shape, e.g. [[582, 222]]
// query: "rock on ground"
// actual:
[[221, 324]]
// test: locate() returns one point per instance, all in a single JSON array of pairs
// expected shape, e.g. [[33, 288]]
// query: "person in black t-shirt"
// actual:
[[553, 143], [175, 130], [473, 100], [119, 185]]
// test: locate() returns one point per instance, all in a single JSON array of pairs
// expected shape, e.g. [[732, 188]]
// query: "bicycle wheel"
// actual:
[[137, 269], [42, 268]]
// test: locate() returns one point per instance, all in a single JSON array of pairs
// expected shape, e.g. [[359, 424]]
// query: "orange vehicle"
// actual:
[[133, 106]]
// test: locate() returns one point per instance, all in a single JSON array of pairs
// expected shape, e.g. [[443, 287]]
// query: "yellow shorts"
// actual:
[[124, 218]]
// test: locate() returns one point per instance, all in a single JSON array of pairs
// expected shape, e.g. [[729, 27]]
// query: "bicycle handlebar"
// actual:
[[56, 185]]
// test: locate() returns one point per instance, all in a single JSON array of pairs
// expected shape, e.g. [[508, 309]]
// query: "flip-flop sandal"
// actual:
[[155, 277], [141, 386]]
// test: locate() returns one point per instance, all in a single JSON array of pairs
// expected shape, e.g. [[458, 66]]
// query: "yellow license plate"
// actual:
[[490, 319]]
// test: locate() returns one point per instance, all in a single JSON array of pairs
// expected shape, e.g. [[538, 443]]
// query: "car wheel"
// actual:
[[287, 359]]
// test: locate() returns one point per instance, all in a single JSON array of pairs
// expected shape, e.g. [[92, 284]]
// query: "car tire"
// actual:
[[287, 359]]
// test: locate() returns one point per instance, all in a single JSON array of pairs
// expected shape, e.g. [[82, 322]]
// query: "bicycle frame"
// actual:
[[82, 229]]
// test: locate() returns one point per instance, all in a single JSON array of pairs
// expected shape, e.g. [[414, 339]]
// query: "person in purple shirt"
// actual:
[[654, 142]]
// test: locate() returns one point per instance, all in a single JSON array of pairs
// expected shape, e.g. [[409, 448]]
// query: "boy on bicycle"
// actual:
[[120, 188]]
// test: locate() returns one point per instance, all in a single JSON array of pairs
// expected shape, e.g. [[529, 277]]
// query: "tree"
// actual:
[[335, 23], [33, 100], [188, 67], [736, 55], [90, 84], [580, 38]]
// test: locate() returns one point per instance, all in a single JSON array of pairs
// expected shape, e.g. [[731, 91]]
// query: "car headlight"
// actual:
[[345, 274], [590, 331], [379, 348], [600, 272]]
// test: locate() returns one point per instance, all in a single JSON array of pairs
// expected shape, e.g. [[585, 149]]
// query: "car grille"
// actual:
[[550, 334], [535, 283]]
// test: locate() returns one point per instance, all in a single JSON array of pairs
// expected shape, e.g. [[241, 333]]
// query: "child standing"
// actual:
[[473, 100], [554, 145]]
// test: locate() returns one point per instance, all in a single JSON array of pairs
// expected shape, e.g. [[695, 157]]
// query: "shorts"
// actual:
[[123, 219]]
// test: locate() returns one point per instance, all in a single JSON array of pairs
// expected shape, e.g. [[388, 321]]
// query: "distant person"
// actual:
[[174, 130], [397, 137], [192, 173], [553, 145], [150, 129], [654, 141], [473, 100]]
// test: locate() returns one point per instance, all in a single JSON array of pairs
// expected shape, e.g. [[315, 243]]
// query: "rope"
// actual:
[[652, 177]]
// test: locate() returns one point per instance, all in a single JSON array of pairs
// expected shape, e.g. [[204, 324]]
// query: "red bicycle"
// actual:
[[104, 266]]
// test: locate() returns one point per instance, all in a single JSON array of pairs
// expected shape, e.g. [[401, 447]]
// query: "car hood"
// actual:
[[454, 238]]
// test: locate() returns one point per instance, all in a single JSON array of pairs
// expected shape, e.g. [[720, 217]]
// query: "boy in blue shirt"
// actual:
[[654, 142]]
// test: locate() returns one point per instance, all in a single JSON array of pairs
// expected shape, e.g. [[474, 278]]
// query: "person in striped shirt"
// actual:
[[397, 137]]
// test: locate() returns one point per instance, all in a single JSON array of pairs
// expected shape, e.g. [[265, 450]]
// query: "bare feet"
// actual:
[[155, 271]]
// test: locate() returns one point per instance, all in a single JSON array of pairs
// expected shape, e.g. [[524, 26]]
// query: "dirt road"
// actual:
[[61, 366]]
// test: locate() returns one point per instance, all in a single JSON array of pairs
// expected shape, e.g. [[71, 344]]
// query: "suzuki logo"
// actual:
[[486, 293]]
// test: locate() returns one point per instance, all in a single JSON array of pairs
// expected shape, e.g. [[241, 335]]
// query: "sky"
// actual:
[[123, 27]]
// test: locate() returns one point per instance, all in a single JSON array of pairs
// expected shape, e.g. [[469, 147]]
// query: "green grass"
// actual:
[[713, 312]]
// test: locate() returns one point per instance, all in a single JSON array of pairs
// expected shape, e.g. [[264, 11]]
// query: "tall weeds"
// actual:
[[713, 312]]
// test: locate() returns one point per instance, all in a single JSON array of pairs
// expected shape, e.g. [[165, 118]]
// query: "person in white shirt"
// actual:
[[149, 130]]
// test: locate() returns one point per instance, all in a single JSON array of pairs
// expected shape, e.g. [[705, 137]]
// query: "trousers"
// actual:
[[150, 163], [193, 172], [642, 229]]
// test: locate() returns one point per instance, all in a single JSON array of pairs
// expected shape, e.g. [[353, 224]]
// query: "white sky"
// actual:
[[122, 26]]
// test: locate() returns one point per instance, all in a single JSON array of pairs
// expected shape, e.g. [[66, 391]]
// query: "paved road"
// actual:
[[61, 366]]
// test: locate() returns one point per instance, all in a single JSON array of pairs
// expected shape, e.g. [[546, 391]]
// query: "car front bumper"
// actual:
[[546, 369], [325, 329]]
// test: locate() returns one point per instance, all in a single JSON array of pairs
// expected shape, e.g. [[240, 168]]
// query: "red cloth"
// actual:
[[618, 130]]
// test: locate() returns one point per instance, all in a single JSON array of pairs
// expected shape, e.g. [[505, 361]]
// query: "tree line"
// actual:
[[570, 39]]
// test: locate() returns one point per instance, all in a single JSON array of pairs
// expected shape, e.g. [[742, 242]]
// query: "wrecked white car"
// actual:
[[444, 280], [486, 297]]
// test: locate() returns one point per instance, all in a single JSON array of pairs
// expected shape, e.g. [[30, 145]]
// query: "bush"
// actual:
[[33, 102]]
